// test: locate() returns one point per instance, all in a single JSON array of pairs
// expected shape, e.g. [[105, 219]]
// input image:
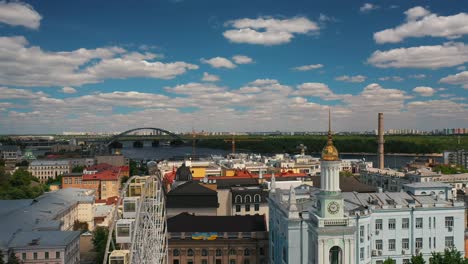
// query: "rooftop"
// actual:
[[41, 239], [38, 214], [428, 185], [49, 163], [185, 222]]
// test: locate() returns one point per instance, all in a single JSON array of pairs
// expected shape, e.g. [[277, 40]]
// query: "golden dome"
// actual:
[[329, 152]]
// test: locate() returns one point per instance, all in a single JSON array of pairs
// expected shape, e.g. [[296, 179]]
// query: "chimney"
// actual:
[[381, 142]]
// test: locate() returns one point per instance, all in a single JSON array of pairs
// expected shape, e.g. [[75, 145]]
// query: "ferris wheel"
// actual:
[[138, 233]]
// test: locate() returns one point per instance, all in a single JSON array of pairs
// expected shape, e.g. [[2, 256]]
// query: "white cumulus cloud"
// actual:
[[421, 22], [431, 57], [353, 79], [25, 65], [219, 62], [19, 14], [308, 67], [424, 91], [367, 7], [267, 30], [68, 90], [210, 77], [242, 59], [457, 79]]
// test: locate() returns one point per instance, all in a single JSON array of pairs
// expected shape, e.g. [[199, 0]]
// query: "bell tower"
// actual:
[[330, 201]]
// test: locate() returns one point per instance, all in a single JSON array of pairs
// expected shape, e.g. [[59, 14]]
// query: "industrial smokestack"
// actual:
[[381, 142]]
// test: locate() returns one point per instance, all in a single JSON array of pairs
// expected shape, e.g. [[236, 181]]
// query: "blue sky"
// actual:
[[232, 65]]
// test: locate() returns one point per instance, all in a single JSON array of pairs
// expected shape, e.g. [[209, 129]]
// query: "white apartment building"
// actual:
[[45, 169]]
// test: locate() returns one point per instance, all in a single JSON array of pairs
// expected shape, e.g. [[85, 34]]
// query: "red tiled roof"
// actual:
[[107, 175], [245, 174], [100, 167]]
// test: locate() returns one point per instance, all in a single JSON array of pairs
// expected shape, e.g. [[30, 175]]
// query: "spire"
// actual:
[[292, 199], [330, 141], [329, 152], [273, 183]]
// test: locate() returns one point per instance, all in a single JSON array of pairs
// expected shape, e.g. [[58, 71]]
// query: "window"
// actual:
[[35, 255], [246, 261], [262, 251], [378, 224], [247, 207], [23, 256], [232, 252], [57, 254], [430, 239], [257, 198], [391, 245], [232, 261], [176, 261], [378, 244], [405, 223], [204, 252], [248, 199], [361, 253], [204, 261], [406, 261], [419, 243], [46, 255], [434, 240], [379, 262], [285, 255], [238, 199], [430, 223], [405, 243], [246, 252], [238, 208], [449, 242], [391, 224], [361, 232], [190, 252], [433, 222], [419, 222], [219, 252], [256, 207], [218, 261], [449, 221], [176, 253]]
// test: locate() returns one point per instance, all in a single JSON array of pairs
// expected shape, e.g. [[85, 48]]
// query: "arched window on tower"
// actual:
[[238, 199], [257, 198]]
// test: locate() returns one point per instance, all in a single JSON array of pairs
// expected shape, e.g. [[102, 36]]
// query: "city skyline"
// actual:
[[232, 66]]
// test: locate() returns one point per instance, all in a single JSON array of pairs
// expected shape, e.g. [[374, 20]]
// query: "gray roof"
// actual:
[[38, 214], [428, 185], [49, 162], [103, 210], [9, 148], [38, 239]]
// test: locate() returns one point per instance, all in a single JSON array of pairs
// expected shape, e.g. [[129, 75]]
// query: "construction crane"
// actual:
[[234, 140]]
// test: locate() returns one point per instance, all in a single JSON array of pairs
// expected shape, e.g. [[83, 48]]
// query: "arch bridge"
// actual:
[[159, 131]]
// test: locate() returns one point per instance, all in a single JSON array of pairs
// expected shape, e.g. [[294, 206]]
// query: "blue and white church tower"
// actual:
[[331, 237]]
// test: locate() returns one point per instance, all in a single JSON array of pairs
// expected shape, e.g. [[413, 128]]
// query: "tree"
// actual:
[[12, 258], [99, 242], [452, 256], [82, 226], [2, 261], [78, 169], [389, 261], [346, 173], [418, 259]]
